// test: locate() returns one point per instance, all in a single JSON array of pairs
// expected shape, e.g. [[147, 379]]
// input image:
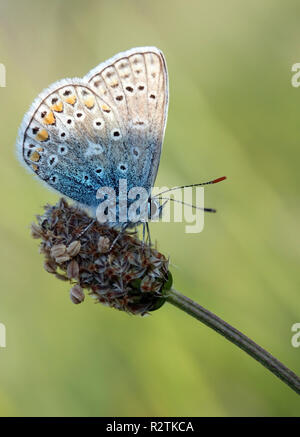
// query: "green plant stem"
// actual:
[[242, 341]]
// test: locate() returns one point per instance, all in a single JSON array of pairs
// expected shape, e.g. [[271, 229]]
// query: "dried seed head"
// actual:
[[36, 231], [77, 294], [129, 276], [146, 284], [73, 269], [50, 266], [61, 277], [58, 250], [74, 248], [103, 244], [62, 259]]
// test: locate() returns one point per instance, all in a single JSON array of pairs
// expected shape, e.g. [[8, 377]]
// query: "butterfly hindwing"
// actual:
[[73, 142]]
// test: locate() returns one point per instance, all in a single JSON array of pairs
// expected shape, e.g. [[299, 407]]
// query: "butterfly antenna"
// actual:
[[214, 181], [188, 204]]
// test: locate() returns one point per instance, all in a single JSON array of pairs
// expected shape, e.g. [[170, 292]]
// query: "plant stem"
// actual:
[[242, 341]]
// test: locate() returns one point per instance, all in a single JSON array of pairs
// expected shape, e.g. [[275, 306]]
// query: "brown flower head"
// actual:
[[129, 275]]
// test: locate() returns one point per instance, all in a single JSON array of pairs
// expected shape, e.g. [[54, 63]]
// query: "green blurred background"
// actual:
[[232, 111]]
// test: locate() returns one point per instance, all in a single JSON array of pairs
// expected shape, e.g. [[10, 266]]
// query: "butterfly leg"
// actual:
[[144, 233], [148, 239], [86, 228], [148, 234], [122, 230]]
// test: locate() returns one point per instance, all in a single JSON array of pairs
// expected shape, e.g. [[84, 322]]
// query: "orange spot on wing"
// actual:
[[105, 108], [90, 102], [58, 107], [49, 118], [71, 100], [35, 157], [35, 167], [114, 84], [42, 135]]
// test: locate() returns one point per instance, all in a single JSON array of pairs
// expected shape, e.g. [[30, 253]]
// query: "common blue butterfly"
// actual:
[[82, 134]]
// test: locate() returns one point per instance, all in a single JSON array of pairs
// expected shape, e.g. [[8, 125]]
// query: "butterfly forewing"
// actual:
[[135, 83]]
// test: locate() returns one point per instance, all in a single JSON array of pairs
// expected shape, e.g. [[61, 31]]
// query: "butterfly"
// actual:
[[82, 134]]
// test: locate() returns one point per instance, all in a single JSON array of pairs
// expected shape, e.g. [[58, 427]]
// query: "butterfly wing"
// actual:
[[135, 84], [82, 134], [71, 139]]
